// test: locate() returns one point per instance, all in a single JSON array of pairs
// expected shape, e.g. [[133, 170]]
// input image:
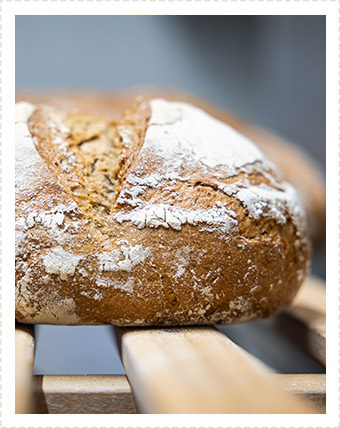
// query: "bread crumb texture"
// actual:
[[167, 216]]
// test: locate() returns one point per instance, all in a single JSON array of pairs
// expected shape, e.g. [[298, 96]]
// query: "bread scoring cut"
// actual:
[[298, 167], [188, 145], [165, 217]]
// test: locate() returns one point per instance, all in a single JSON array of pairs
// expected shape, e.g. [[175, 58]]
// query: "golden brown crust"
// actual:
[[296, 166], [165, 250]]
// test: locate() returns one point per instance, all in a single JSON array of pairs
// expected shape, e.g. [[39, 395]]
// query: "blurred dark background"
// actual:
[[269, 69]]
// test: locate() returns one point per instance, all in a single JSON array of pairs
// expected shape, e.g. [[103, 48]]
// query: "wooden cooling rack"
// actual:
[[186, 370]]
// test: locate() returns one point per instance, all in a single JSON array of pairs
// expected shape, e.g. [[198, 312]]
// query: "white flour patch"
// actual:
[[181, 133], [61, 263], [264, 201], [167, 216], [52, 220], [23, 111], [127, 286], [124, 259], [126, 135], [27, 158], [183, 137]]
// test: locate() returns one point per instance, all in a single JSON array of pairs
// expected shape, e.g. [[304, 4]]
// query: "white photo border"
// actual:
[[9, 9]]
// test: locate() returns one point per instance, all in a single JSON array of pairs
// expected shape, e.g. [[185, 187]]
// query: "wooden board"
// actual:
[[185, 370], [24, 358], [312, 295], [310, 386], [305, 320], [112, 393], [82, 394], [199, 370]]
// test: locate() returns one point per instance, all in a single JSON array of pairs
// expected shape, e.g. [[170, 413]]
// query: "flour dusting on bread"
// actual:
[[27, 158], [186, 138], [156, 215], [181, 133], [125, 258], [61, 263], [165, 217]]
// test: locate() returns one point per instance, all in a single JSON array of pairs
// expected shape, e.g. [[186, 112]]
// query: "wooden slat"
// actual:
[[310, 386], [312, 295], [199, 370], [83, 394], [305, 320], [24, 358], [112, 393]]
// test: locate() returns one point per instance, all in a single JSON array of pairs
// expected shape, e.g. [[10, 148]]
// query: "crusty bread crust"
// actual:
[[151, 220], [297, 167]]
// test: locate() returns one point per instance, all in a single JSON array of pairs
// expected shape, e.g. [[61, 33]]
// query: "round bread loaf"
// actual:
[[297, 167], [167, 216]]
